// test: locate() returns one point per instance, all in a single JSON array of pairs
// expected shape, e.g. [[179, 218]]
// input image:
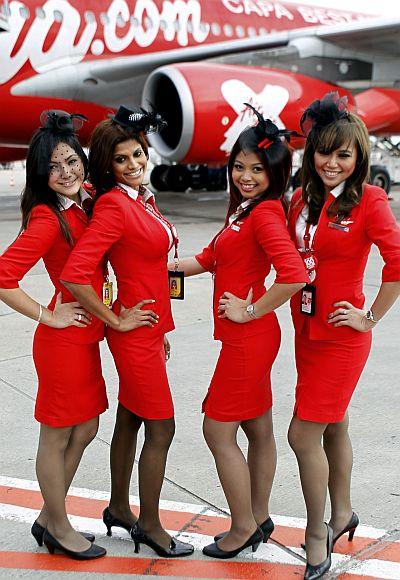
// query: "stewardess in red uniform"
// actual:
[[127, 226], [240, 256], [334, 220], [71, 391]]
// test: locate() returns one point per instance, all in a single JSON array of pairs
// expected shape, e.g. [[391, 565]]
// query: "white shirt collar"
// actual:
[[336, 191], [67, 202], [133, 193]]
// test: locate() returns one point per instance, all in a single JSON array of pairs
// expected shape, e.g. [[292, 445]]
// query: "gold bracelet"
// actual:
[[40, 313]]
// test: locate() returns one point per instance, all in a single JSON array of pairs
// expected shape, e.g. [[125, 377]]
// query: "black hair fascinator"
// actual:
[[323, 112], [140, 120], [268, 132], [61, 122], [56, 126]]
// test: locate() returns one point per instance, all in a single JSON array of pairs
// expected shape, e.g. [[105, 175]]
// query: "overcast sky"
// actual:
[[378, 7]]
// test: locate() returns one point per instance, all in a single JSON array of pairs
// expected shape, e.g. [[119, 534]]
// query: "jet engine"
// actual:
[[203, 104]]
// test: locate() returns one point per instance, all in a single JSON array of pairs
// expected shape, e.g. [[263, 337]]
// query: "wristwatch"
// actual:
[[369, 315], [250, 311]]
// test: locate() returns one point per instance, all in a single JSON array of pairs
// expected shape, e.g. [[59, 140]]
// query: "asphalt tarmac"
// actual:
[[194, 504]]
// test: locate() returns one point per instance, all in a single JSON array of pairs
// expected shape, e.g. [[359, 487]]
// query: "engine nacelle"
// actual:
[[380, 110], [203, 105]]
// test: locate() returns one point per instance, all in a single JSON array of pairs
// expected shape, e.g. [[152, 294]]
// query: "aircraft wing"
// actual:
[[356, 55], [376, 36]]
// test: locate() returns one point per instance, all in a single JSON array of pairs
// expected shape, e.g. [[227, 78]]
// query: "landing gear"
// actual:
[[170, 178], [180, 178], [380, 176]]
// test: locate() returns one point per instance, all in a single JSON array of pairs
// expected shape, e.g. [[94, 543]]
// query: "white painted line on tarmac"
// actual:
[[381, 569]]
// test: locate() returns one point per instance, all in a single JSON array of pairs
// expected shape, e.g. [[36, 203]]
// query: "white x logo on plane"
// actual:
[[270, 102]]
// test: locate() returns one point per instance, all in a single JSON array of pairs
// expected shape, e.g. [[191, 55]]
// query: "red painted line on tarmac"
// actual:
[[150, 567], [295, 536], [343, 546], [388, 551], [92, 508]]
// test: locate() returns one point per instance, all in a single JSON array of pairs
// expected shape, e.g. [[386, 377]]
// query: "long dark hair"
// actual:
[[276, 159], [105, 137], [41, 147], [341, 130]]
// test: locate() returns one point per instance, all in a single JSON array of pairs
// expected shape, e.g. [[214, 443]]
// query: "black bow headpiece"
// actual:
[[56, 126], [323, 112], [61, 122], [140, 120], [268, 132]]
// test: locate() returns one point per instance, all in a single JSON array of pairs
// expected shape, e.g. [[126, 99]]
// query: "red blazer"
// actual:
[[342, 258], [241, 259], [43, 239], [137, 247]]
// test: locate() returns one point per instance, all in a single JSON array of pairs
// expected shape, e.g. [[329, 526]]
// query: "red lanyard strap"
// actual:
[[307, 238], [152, 209]]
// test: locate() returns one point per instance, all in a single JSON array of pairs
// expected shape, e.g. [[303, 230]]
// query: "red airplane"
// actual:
[[278, 56]]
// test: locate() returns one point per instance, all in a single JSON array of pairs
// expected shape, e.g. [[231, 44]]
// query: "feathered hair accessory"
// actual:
[[268, 132], [140, 120], [61, 122], [323, 112]]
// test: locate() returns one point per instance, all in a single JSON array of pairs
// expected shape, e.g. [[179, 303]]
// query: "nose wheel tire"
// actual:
[[380, 176]]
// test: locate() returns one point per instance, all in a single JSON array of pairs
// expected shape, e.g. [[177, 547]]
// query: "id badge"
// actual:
[[108, 294], [176, 284], [307, 302], [340, 227]]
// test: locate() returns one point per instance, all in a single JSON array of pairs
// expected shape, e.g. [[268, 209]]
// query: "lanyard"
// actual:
[[150, 207], [239, 210], [307, 237], [310, 260]]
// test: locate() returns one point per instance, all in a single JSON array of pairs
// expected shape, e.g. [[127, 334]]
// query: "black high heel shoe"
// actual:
[[177, 549], [351, 528], [90, 554], [214, 551], [315, 572], [266, 527], [110, 521], [37, 532]]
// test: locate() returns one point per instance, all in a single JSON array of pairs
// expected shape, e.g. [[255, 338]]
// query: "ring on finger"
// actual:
[[79, 317], [344, 311]]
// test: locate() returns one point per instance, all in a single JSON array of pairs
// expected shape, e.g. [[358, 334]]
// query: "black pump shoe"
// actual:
[[90, 554], [266, 527], [214, 551], [177, 549], [315, 572], [351, 528], [110, 521], [37, 532]]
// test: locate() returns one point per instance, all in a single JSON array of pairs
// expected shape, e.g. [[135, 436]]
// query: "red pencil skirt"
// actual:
[[71, 387], [241, 385], [143, 381], [327, 374]]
